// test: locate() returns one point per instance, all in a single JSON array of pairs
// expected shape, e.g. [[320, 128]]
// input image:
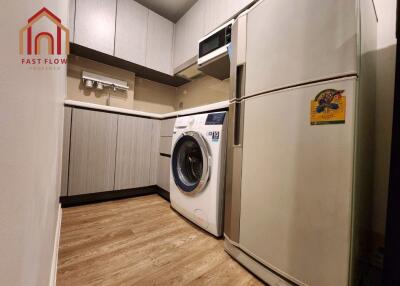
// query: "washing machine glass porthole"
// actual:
[[190, 162]]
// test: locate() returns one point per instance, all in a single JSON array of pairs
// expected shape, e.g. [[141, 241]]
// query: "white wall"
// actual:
[[386, 10], [31, 117]]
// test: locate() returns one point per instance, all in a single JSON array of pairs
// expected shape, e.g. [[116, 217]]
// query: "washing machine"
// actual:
[[198, 169]]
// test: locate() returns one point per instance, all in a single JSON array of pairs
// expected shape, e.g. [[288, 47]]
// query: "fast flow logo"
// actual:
[[41, 40]]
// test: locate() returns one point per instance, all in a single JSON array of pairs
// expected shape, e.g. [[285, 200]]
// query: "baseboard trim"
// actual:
[[71, 201], [53, 272], [163, 193]]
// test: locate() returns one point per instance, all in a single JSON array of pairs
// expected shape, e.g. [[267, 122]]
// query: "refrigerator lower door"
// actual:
[[297, 185], [233, 172]]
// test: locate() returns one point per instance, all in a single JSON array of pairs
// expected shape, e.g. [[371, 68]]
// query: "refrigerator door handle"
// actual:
[[238, 124], [240, 80]]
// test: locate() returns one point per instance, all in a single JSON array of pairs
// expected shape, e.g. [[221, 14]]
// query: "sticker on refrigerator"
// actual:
[[328, 107]]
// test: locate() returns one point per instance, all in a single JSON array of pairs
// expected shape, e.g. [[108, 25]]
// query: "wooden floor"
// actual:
[[141, 241]]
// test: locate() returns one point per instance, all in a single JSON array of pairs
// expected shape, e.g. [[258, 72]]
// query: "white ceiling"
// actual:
[[170, 9]]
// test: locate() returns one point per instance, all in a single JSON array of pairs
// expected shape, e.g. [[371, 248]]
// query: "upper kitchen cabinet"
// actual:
[[237, 6], [95, 24], [131, 31], [140, 40], [201, 19], [179, 44], [71, 20], [159, 43], [188, 31], [218, 12]]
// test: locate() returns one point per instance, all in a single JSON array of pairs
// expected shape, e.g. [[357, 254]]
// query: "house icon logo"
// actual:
[[32, 35]]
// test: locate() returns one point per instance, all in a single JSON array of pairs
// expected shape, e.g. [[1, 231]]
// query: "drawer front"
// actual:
[[167, 127], [164, 172], [165, 145]]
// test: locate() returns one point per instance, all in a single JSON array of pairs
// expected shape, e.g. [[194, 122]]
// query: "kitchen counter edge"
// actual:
[[200, 109]]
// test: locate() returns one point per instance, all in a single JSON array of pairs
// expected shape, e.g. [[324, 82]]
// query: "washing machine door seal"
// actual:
[[190, 162]]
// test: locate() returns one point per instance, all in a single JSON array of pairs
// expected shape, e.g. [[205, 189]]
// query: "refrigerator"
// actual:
[[301, 140]]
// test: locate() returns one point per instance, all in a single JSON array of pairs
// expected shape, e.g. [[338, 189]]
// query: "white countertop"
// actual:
[[199, 109]]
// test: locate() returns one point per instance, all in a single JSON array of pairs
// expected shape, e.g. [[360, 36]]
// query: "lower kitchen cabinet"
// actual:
[[167, 127], [111, 152], [165, 145], [92, 152], [134, 148], [164, 160], [164, 166]]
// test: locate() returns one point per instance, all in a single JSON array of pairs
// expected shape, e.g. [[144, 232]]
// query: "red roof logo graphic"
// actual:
[[52, 47]]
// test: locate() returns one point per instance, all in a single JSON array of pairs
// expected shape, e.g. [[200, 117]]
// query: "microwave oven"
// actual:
[[213, 58]]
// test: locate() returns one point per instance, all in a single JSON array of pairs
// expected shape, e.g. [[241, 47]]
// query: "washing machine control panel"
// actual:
[[215, 118]]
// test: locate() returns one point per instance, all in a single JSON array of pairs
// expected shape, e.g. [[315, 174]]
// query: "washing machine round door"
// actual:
[[190, 162]]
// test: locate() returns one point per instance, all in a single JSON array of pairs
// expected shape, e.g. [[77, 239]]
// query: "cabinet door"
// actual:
[[71, 20], [179, 42], [167, 127], [95, 24], [217, 12], [195, 29], [92, 157], [155, 146], [131, 31], [133, 152], [165, 145], [159, 43], [164, 172], [238, 5], [188, 31]]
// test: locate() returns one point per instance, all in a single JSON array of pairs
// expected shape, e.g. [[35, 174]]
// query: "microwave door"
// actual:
[[213, 54], [215, 44], [209, 45]]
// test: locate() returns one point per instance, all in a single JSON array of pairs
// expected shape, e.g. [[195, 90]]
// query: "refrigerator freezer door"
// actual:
[[297, 185], [295, 42]]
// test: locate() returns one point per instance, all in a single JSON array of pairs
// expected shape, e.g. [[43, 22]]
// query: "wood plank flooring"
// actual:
[[141, 241]]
